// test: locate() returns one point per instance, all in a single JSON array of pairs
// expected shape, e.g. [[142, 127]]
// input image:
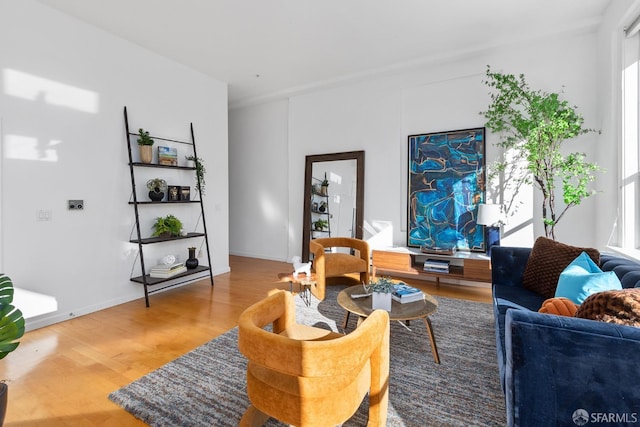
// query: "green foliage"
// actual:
[[533, 125], [158, 183], [144, 138], [11, 319], [321, 224], [168, 224], [200, 171], [383, 284]]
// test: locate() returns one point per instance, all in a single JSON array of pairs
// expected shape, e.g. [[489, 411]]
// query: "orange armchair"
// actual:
[[307, 376], [328, 265]]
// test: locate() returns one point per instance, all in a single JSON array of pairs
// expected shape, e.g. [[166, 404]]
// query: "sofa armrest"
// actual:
[[557, 365], [508, 264]]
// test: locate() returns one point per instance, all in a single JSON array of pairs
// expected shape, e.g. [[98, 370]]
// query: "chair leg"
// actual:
[[253, 418]]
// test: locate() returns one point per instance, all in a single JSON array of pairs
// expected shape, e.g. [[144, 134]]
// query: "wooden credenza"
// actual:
[[408, 261]]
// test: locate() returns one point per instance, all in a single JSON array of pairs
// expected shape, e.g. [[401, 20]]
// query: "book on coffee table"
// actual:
[[404, 293]]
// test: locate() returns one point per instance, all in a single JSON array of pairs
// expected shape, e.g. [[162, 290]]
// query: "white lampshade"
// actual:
[[489, 214]]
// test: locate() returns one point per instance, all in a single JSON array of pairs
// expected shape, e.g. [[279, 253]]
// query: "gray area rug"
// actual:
[[206, 387]]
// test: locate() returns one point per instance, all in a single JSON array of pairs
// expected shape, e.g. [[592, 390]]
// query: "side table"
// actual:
[[304, 284]]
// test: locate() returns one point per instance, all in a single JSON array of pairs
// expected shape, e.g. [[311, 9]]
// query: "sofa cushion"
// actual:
[[547, 260], [583, 277], [620, 306], [559, 306]]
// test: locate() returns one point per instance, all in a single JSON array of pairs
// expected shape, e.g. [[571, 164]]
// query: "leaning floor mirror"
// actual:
[[333, 197]]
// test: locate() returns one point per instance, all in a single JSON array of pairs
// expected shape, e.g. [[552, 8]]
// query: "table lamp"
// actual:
[[491, 217]]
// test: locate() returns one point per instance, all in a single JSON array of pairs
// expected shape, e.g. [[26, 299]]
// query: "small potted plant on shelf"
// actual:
[[156, 187], [381, 293], [168, 226], [200, 171], [324, 186], [320, 224], [145, 142], [11, 329]]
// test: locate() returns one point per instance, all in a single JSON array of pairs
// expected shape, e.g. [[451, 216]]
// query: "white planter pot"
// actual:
[[381, 300]]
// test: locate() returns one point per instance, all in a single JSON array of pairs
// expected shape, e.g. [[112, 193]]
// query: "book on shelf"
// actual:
[[436, 265], [404, 293], [165, 268], [167, 274], [436, 270]]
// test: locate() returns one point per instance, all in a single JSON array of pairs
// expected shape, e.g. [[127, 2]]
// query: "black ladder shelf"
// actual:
[[151, 284]]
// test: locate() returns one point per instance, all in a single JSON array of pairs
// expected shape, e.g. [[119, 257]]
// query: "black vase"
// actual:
[[156, 196], [192, 261]]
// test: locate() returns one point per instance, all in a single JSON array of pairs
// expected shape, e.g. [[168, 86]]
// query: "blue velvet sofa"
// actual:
[[551, 367]]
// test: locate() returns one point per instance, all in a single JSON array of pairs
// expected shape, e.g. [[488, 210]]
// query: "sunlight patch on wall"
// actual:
[[34, 88], [28, 148], [269, 210]]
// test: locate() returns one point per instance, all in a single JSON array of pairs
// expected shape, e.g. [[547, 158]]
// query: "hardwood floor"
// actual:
[[61, 375]]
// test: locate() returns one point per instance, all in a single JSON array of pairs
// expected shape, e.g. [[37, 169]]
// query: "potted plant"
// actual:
[[168, 226], [156, 187], [11, 329], [533, 126], [320, 224], [380, 293], [200, 171], [324, 185], [145, 142]]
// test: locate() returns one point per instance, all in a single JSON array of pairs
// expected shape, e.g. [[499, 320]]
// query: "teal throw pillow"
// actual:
[[583, 277]]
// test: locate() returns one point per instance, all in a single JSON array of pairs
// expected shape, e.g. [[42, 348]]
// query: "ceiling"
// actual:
[[269, 48]]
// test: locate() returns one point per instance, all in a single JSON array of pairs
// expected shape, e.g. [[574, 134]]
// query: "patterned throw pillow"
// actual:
[[620, 307], [547, 260], [560, 306]]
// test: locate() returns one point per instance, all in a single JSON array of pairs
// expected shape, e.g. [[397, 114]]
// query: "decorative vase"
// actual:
[[324, 190], [146, 153], [192, 261], [156, 195], [381, 300]]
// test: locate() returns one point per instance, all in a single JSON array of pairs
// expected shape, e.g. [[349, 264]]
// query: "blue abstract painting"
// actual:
[[446, 185]]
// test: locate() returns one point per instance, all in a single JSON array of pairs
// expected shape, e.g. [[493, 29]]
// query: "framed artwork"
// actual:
[[167, 156], [185, 193], [174, 193], [446, 185]]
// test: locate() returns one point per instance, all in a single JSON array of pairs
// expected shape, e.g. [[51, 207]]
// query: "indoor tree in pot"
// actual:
[[533, 125], [11, 329], [145, 142]]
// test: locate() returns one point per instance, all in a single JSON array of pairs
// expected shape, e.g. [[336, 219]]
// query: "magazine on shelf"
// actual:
[[163, 268], [166, 275], [436, 265]]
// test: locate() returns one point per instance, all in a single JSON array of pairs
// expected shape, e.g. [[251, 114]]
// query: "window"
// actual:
[[629, 237]]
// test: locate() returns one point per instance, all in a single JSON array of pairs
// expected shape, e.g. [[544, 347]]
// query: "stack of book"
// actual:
[[436, 265], [404, 293], [164, 271]]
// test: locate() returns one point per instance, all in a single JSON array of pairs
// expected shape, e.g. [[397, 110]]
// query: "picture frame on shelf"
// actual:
[[447, 183], [168, 156], [174, 193], [185, 193]]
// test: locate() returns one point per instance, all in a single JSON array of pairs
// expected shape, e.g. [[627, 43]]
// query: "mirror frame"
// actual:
[[358, 156]]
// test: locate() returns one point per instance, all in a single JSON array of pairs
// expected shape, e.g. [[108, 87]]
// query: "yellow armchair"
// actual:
[[327, 265], [307, 376]]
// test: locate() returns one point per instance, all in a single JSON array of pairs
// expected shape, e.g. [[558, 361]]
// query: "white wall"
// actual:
[[64, 86], [377, 116], [258, 161]]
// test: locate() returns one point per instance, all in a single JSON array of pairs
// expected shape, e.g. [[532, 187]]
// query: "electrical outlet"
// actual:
[[43, 215], [76, 204]]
